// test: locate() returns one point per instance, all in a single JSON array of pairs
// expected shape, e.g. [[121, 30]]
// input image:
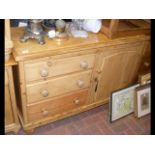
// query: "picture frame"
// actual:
[[142, 100], [122, 102]]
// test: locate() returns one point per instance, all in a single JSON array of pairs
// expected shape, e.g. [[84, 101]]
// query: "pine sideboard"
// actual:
[[65, 77]]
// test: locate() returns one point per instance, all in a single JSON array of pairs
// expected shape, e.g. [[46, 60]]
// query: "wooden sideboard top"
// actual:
[[31, 49]]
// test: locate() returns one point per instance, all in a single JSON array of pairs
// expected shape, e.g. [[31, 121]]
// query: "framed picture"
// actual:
[[143, 102], [122, 102], [145, 78]]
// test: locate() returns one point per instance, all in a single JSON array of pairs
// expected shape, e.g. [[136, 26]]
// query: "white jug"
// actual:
[[92, 25]]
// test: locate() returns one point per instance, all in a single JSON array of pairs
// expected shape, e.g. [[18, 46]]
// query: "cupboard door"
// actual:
[[119, 69], [131, 67], [111, 75]]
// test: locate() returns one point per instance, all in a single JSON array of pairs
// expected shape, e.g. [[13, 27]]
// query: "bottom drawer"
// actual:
[[53, 107]]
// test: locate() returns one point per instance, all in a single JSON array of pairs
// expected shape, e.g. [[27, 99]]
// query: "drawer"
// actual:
[[58, 86], [53, 67], [59, 106]]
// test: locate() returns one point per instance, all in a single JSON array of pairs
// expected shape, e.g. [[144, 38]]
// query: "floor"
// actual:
[[96, 122]]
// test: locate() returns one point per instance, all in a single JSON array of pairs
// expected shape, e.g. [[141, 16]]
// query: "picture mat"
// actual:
[[139, 94], [118, 109]]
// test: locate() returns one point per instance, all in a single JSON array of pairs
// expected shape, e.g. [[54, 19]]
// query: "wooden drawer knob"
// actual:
[[77, 101], [45, 112], [44, 72], [84, 65], [44, 93], [80, 83]]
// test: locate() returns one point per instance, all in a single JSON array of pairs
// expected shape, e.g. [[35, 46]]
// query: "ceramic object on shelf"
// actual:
[[51, 34], [73, 30], [92, 25], [79, 34], [60, 25], [78, 23]]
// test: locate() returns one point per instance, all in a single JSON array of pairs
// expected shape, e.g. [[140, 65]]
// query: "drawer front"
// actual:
[[54, 107], [53, 67], [58, 86]]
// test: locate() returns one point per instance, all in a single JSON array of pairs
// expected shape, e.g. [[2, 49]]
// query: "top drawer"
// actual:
[[52, 67]]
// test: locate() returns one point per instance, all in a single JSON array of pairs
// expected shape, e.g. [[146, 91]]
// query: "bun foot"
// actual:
[[29, 131]]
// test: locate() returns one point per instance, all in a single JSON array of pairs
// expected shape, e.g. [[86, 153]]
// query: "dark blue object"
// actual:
[[15, 22]]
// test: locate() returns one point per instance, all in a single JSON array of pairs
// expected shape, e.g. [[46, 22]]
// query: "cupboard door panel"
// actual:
[[111, 76], [133, 61]]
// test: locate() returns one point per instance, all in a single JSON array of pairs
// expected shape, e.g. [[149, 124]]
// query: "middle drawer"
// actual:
[[61, 85]]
